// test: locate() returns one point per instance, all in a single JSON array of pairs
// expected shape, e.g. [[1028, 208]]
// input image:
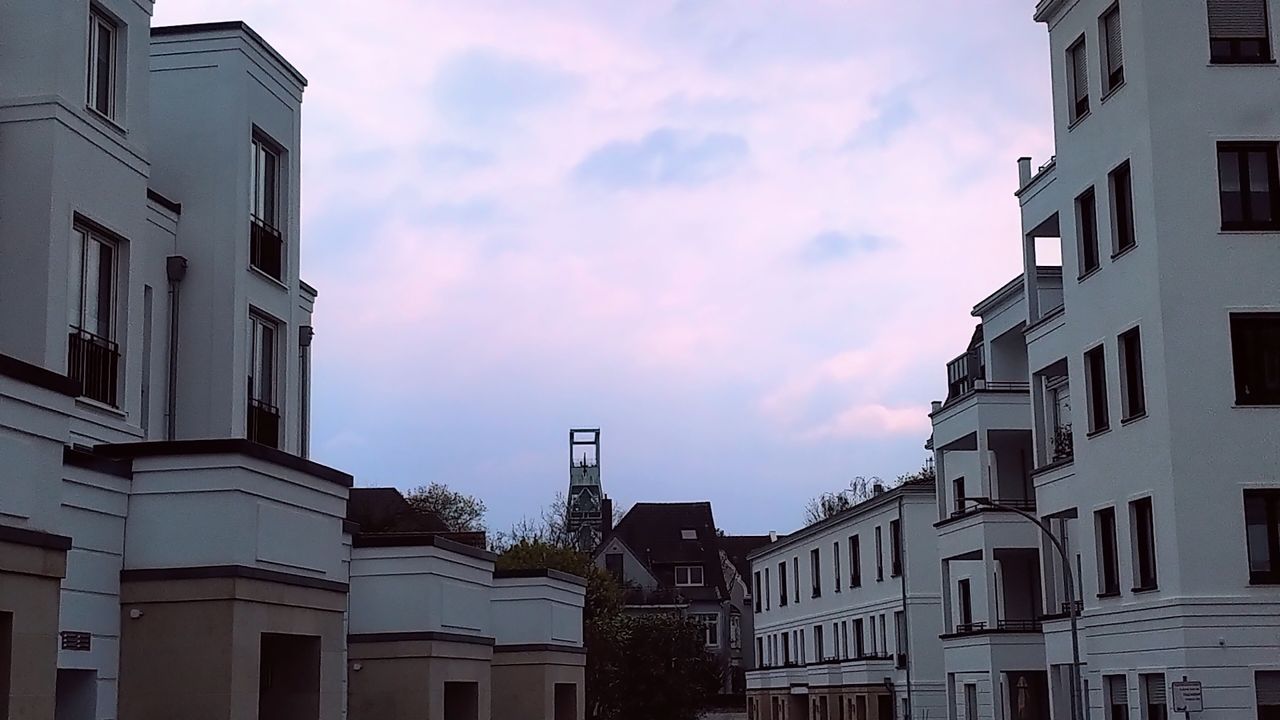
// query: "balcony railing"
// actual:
[[266, 248], [640, 597], [1018, 626], [95, 362], [264, 423], [1063, 443], [970, 628]]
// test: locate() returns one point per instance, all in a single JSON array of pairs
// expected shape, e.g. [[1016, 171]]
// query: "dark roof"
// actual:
[[384, 510], [737, 547], [653, 532]]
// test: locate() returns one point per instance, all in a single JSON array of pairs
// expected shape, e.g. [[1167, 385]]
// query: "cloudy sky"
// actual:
[[742, 237]]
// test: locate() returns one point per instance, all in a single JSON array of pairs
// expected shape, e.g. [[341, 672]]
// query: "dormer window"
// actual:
[[104, 34], [688, 534], [689, 576]]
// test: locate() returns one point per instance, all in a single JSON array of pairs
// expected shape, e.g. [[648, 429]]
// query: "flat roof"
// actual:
[[238, 26]]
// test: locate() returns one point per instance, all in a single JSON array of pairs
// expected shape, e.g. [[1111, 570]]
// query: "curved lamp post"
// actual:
[[1068, 585]]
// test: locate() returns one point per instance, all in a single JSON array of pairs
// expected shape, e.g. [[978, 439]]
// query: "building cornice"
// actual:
[[232, 26], [419, 540], [34, 538], [421, 636], [220, 572], [537, 573], [23, 371], [226, 446]]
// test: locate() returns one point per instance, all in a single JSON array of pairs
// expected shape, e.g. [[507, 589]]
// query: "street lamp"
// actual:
[[1069, 586]]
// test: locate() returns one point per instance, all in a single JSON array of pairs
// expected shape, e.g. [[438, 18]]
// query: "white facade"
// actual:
[[859, 638], [1143, 455]]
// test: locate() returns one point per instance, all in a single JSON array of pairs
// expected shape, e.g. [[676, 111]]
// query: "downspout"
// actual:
[[176, 269], [906, 618]]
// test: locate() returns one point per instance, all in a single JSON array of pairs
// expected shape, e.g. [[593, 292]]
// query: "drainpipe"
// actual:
[[906, 619], [176, 268]]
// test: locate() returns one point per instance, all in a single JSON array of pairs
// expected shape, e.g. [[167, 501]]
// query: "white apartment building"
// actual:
[[166, 547], [848, 614], [1131, 396]]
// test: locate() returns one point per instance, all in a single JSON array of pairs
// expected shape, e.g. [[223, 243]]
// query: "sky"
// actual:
[[741, 237]]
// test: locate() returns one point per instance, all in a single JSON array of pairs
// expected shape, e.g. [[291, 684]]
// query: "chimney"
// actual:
[[773, 536], [877, 489], [1024, 172], [606, 517], [935, 406]]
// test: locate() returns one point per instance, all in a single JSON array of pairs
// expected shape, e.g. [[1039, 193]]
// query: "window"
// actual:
[[1087, 220], [710, 628], [957, 491], [859, 648], [819, 644], [1078, 79], [879, 557], [835, 641], [1142, 518], [1113, 49], [786, 648], [1154, 701], [767, 590], [844, 639], [815, 571], [1262, 535], [103, 38], [1095, 368], [855, 562], [688, 534], [895, 548], [613, 565], [1132, 395], [835, 565], [1120, 181], [800, 646], [884, 637], [688, 576], [759, 596], [263, 423], [965, 597], [875, 645], [1255, 350], [1117, 694], [93, 357], [1238, 31], [266, 244], [760, 658], [1108, 570], [1266, 685], [782, 584], [970, 702], [1247, 186], [795, 577]]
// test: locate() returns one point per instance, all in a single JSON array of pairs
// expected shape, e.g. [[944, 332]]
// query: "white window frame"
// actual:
[[262, 144], [84, 236], [688, 576], [710, 628], [259, 321], [98, 20]]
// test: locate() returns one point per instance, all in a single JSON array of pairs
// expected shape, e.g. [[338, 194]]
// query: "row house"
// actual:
[[167, 548], [848, 614], [1128, 398]]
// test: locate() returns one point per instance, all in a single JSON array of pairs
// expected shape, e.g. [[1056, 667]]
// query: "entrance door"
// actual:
[[884, 707], [289, 677]]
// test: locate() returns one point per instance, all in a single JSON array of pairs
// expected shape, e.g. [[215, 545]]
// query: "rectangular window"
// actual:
[[815, 571], [735, 632], [1078, 79], [263, 422], [1132, 393], [710, 628], [782, 584], [900, 631], [875, 643], [1087, 222], [786, 648], [760, 656], [835, 565], [835, 641], [93, 356], [800, 647], [266, 243], [1238, 31], [1142, 518], [688, 534], [1117, 696], [768, 592], [859, 644], [1154, 700], [957, 491], [855, 562], [844, 638], [1095, 377], [884, 636], [819, 644], [103, 41], [1262, 535], [1120, 181], [1266, 688], [1113, 50], [895, 548], [613, 565], [689, 576], [970, 702], [879, 556], [1248, 192], [1255, 355], [1108, 569], [965, 597], [795, 578], [759, 597]]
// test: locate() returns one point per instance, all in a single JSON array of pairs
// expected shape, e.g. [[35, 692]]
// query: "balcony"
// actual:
[[266, 248], [263, 426], [95, 362], [1001, 627], [639, 597]]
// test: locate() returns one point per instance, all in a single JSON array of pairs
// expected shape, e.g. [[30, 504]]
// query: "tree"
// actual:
[[860, 489], [459, 511]]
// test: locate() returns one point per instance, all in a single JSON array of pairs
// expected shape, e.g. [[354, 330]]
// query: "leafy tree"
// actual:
[[860, 489], [459, 511]]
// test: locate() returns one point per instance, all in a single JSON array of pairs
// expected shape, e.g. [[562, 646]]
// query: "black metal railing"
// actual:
[[264, 423], [266, 248], [970, 627], [1063, 443], [95, 362], [1005, 386], [639, 597], [1018, 504], [1019, 625]]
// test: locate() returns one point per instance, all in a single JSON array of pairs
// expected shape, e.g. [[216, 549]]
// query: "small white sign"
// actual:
[[1188, 696]]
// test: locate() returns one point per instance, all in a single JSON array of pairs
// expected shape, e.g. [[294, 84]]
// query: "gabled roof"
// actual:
[[737, 547], [653, 531]]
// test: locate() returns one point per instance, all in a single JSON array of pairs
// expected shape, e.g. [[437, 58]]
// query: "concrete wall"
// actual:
[[537, 611], [418, 589]]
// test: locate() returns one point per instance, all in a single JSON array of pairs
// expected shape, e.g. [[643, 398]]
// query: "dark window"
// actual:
[[795, 579], [786, 648], [782, 584], [1132, 393], [815, 571], [103, 34], [1262, 535], [1238, 31], [1248, 190], [819, 644], [859, 644], [1087, 217], [855, 562], [759, 597], [1113, 50], [767, 590], [1144, 543], [895, 548], [1078, 79], [879, 556], [957, 486], [835, 565], [266, 251], [613, 564], [760, 658], [1108, 569], [1266, 684], [1117, 697], [1095, 368], [1122, 234], [965, 597], [93, 356], [1155, 699], [263, 424], [1255, 350]]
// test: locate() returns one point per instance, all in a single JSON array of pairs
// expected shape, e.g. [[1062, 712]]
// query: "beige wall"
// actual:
[[194, 651], [404, 679], [524, 683], [30, 579]]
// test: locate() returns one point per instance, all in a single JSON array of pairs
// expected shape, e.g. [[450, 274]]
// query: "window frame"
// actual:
[[1087, 233], [795, 579], [1249, 332], [1077, 54], [1242, 150], [815, 571], [1133, 394], [1109, 705], [1112, 77], [859, 638], [689, 576], [964, 601], [879, 554], [710, 623], [836, 580], [783, 590], [1097, 397], [1142, 521], [267, 207], [1108, 553], [1269, 498], [85, 234], [1123, 231], [855, 561], [100, 19], [758, 600], [895, 548], [1145, 683], [1230, 50], [258, 322]]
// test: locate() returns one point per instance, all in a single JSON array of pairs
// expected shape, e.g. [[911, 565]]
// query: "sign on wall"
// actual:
[[1188, 696]]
